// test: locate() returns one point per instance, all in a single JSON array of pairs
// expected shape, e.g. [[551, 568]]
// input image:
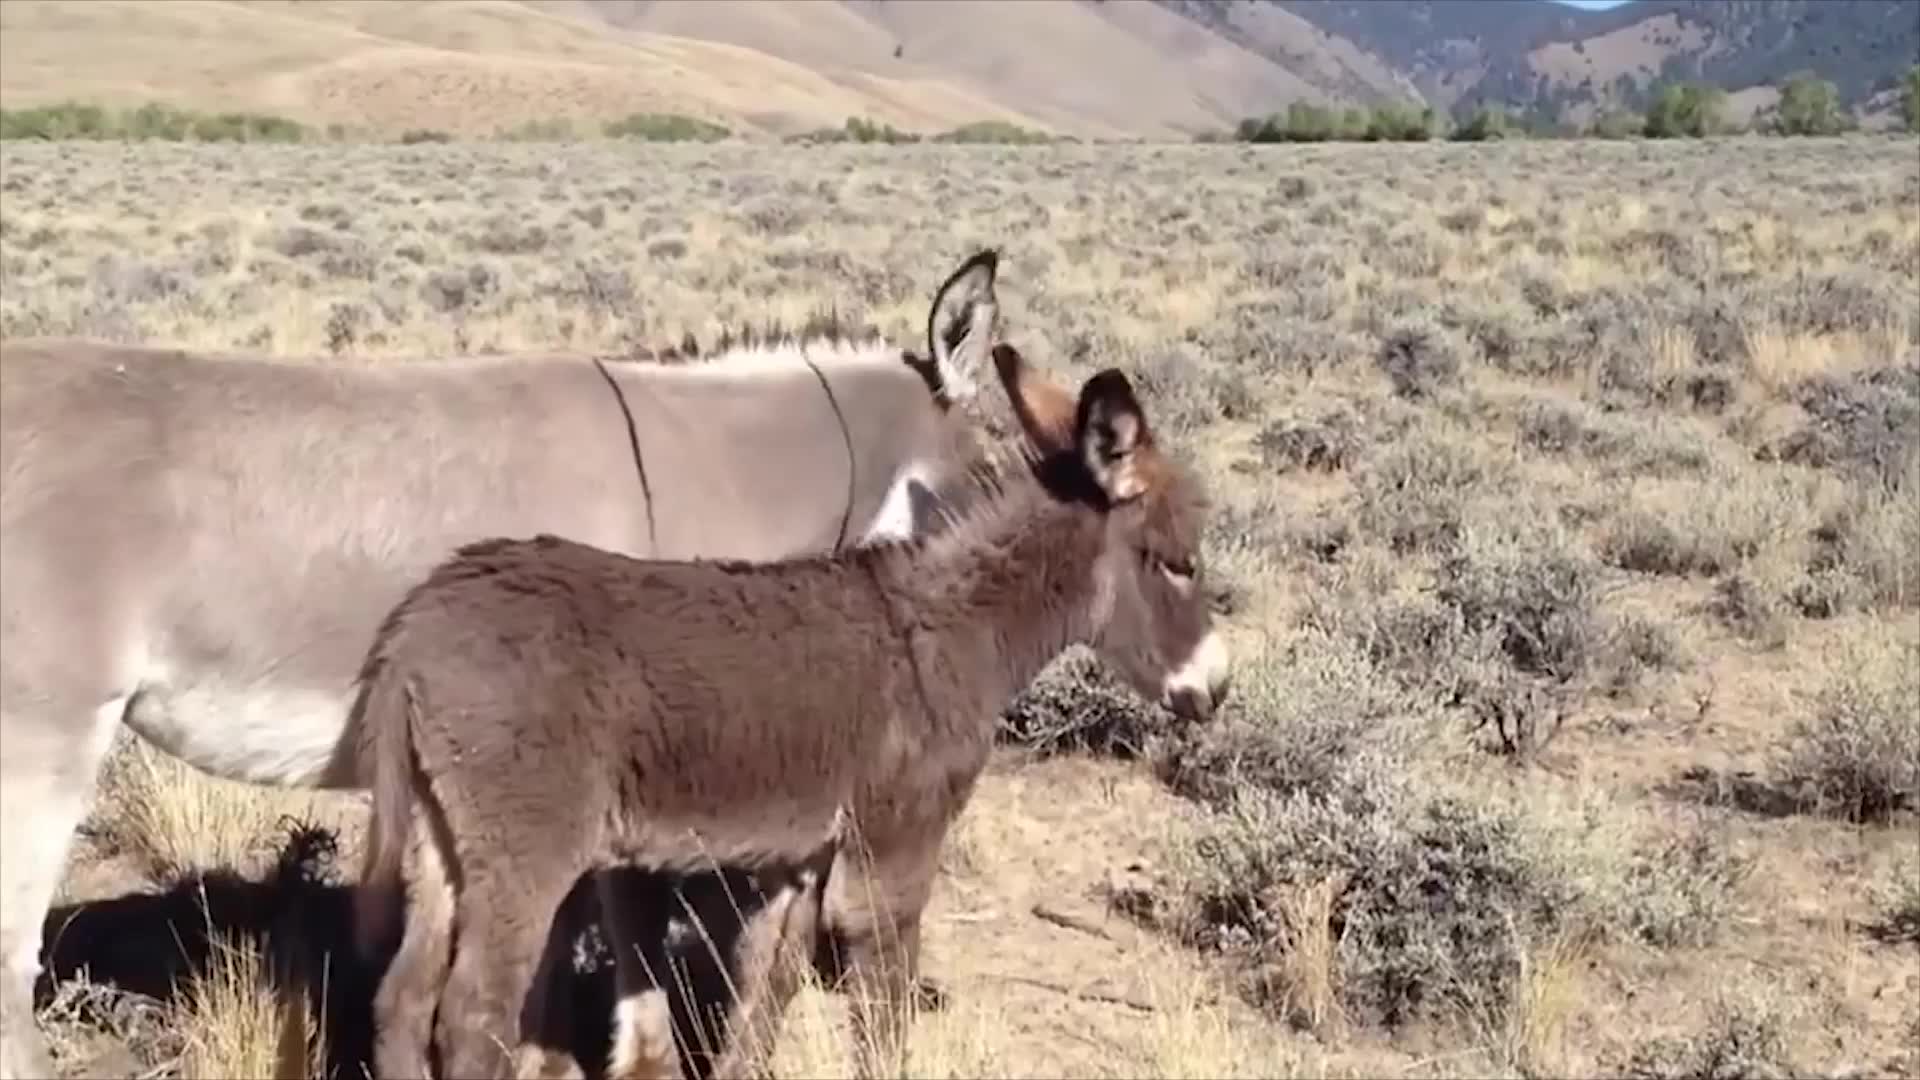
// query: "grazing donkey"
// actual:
[[201, 547], [538, 708]]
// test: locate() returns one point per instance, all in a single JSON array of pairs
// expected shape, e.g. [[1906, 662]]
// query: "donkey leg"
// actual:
[[47, 778], [634, 911], [871, 914], [500, 930], [553, 1050], [404, 1004], [774, 948]]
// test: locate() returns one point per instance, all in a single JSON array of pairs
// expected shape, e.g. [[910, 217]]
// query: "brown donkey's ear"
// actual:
[[1045, 411], [1111, 430]]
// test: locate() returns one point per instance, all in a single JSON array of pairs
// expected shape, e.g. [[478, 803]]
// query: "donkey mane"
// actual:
[[826, 328], [743, 347]]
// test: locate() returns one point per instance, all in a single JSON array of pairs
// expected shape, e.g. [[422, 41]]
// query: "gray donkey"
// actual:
[[537, 708], [201, 546]]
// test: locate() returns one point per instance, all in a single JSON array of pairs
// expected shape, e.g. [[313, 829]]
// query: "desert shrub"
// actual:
[[1412, 638], [1706, 527], [1434, 896], [1418, 360], [1498, 332], [1678, 891], [345, 323], [1899, 905], [1857, 757], [1272, 342], [1867, 425], [452, 290], [1754, 603], [1863, 551], [1634, 644], [421, 136], [558, 129], [1645, 445], [1742, 1040], [299, 241], [1303, 711], [1077, 704], [510, 236], [1415, 494], [1190, 393], [1505, 631], [1522, 581], [1832, 302], [1329, 442], [665, 127]]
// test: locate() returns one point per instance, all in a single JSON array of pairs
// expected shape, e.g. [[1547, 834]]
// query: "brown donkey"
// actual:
[[537, 708]]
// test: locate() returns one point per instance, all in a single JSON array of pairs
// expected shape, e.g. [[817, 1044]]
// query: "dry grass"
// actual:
[[177, 821], [1565, 520], [235, 1022]]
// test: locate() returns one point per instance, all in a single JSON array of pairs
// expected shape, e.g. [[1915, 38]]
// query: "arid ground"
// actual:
[[1567, 520]]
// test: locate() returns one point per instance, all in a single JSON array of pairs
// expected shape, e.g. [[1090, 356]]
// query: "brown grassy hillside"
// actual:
[[767, 66], [471, 66], [1565, 527]]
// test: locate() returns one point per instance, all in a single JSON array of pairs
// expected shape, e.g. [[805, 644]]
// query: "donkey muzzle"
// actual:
[[1201, 685]]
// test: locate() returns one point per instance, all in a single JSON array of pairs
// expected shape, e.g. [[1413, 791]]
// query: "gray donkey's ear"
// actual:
[[961, 326]]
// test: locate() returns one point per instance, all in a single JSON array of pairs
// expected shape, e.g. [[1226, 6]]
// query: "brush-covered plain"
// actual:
[[1567, 509]]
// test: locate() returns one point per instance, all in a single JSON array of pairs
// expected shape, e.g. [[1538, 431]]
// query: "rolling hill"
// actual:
[[1093, 68]]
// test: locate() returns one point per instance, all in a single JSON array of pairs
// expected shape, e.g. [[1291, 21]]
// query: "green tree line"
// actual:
[[1809, 105], [76, 120], [80, 120]]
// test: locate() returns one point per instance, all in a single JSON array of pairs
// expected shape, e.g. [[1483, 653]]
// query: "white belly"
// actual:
[[260, 732]]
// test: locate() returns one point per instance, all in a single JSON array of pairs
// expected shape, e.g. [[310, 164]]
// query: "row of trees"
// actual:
[[1808, 105], [1303, 122], [74, 120]]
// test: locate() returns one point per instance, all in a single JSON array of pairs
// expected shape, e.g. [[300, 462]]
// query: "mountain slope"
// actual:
[[766, 66], [1072, 66], [1096, 68], [1568, 61], [461, 65]]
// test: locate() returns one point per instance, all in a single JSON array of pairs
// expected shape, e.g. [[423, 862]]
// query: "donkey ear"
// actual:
[[1111, 431], [961, 325], [1044, 410]]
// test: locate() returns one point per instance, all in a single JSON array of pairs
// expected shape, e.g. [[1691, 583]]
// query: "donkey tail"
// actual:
[[383, 715]]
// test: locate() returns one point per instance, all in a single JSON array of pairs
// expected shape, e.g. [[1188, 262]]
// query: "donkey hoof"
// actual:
[[929, 995]]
